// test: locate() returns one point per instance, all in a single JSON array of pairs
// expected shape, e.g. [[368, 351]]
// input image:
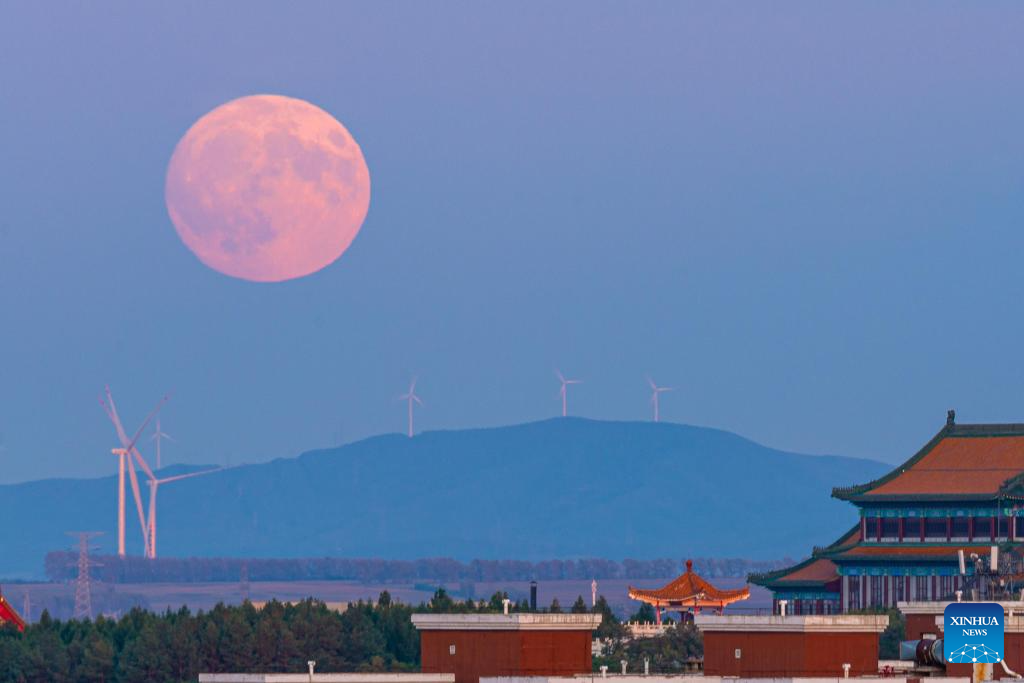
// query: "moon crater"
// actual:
[[267, 188]]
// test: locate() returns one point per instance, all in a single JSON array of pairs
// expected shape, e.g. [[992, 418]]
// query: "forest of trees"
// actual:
[[143, 647], [60, 566]]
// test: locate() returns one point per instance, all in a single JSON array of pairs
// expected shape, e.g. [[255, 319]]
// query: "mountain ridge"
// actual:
[[564, 487]]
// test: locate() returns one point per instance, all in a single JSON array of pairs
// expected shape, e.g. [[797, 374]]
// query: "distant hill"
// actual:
[[566, 487]]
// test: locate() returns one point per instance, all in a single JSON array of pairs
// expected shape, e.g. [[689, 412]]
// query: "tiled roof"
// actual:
[[814, 571], [917, 552], [686, 590], [7, 613], [819, 570], [961, 461]]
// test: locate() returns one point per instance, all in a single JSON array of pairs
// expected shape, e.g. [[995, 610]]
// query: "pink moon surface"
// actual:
[[267, 188]]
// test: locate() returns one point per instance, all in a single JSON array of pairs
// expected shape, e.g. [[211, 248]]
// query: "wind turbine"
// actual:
[[154, 486], [128, 454], [410, 396], [655, 392], [563, 392], [158, 436]]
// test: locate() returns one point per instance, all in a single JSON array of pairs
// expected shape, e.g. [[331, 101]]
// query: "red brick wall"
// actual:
[[765, 655], [505, 653], [919, 624]]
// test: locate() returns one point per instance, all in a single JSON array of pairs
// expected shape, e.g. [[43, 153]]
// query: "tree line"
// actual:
[[142, 646], [60, 566]]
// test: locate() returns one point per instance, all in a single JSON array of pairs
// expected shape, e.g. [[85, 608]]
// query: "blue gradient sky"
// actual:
[[807, 217]]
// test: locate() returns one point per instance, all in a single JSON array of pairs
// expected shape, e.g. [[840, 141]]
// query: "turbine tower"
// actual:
[[410, 397], [563, 392], [154, 486], [655, 392], [128, 455], [158, 436]]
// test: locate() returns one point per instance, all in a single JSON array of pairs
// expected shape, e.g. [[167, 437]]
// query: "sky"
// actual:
[[805, 217]]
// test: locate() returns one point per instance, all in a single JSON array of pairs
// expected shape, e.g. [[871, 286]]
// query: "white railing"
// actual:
[[641, 629]]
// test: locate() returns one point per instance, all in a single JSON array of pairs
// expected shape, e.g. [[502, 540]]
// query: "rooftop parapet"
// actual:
[[506, 622], [796, 623]]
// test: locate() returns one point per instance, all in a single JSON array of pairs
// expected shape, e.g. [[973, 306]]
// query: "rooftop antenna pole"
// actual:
[[655, 392], [83, 584], [410, 397], [563, 392]]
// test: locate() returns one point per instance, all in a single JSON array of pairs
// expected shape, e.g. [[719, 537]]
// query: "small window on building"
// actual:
[[871, 528], [935, 527], [853, 594], [875, 585], [959, 529], [1004, 527], [899, 586], [890, 527], [983, 527], [912, 527]]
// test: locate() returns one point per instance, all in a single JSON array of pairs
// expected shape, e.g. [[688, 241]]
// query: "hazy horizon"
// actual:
[[804, 217], [169, 462]]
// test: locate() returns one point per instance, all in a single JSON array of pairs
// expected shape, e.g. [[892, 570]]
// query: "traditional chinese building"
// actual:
[[689, 594], [9, 616], [962, 491]]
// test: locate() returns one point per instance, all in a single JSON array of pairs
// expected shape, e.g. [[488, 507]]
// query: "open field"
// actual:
[[115, 599]]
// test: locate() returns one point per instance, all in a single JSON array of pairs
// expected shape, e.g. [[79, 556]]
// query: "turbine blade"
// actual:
[[115, 418], [152, 414], [138, 502], [189, 475], [142, 463]]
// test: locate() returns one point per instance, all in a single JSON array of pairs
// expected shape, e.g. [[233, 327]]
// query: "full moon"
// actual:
[[267, 188]]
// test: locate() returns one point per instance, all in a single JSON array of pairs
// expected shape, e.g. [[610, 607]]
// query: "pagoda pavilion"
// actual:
[[689, 594], [964, 490]]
